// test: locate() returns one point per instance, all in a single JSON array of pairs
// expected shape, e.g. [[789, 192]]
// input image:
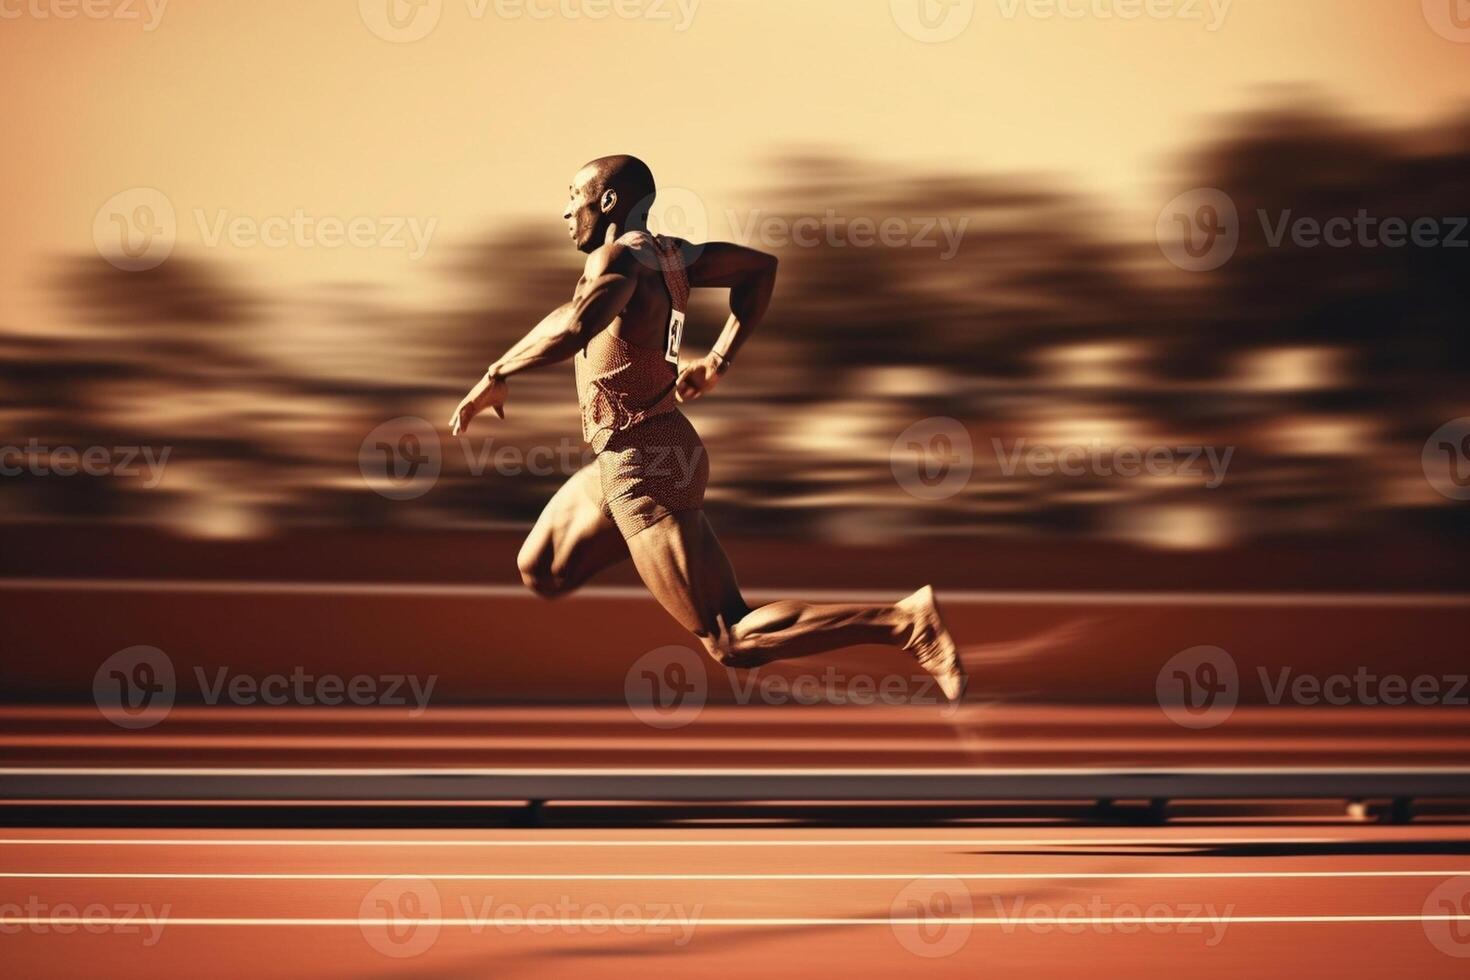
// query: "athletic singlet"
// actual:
[[619, 384]]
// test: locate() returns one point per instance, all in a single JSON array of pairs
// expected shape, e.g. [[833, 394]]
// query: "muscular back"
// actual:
[[643, 320]]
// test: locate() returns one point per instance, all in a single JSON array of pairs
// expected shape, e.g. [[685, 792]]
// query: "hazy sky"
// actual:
[[246, 111]]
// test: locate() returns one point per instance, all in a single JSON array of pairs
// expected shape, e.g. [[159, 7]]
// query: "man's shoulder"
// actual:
[[628, 255]]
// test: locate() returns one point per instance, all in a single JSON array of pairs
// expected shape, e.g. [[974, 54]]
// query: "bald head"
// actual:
[[612, 190], [627, 175]]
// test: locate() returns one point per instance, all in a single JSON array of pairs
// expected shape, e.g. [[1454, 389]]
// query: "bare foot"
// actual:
[[931, 644]]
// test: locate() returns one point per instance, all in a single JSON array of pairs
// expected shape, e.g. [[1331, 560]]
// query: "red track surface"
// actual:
[[980, 735], [903, 905]]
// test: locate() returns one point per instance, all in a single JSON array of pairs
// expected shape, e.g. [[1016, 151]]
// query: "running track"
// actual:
[[1209, 900], [770, 896]]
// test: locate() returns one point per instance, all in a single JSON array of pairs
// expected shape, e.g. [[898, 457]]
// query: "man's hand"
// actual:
[[698, 379], [490, 392]]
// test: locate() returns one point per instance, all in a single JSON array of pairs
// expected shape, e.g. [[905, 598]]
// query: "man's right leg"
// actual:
[[573, 539], [684, 566]]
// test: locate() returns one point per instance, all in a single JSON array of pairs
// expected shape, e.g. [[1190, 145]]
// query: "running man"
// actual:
[[643, 495]]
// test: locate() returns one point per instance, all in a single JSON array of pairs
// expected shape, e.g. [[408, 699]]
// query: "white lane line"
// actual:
[[699, 922], [593, 744], [1295, 600], [857, 842], [781, 876], [783, 772]]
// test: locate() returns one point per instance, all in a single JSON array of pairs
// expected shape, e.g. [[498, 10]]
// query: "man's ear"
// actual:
[[608, 201]]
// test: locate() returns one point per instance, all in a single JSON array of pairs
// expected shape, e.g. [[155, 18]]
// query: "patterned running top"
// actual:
[[619, 384]]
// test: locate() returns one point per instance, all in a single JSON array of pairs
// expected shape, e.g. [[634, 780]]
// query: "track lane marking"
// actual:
[[613, 921], [794, 842], [782, 876]]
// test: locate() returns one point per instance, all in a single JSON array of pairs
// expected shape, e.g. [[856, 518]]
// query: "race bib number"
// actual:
[[676, 335]]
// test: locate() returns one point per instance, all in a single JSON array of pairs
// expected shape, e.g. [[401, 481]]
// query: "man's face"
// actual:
[[584, 210]]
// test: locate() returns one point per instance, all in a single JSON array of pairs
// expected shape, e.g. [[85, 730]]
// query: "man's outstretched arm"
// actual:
[[751, 278], [606, 286]]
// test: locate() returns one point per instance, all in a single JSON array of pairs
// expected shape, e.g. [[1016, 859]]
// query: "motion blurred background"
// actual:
[[978, 208], [1046, 149]]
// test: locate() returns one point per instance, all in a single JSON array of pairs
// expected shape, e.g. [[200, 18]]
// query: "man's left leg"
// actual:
[[684, 566]]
